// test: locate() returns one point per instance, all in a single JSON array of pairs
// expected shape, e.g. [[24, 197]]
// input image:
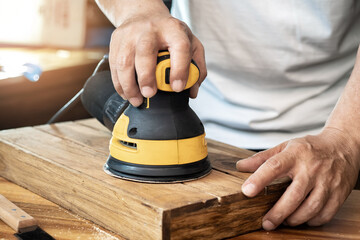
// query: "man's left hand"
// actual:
[[323, 169]]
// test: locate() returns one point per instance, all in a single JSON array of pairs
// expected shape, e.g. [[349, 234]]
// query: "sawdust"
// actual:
[[102, 235], [98, 233]]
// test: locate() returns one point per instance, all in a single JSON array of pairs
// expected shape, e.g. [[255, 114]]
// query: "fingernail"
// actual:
[[136, 101], [177, 85], [249, 189], [147, 91], [268, 226], [238, 164]]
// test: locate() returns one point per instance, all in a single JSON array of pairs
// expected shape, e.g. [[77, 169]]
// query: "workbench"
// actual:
[[63, 224], [64, 72], [63, 162]]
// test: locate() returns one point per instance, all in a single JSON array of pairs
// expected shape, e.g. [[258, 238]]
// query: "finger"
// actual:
[[252, 163], [310, 207], [145, 64], [288, 203], [180, 55], [328, 211], [121, 60], [271, 169], [194, 90], [125, 70], [114, 50], [116, 83], [199, 58], [130, 87]]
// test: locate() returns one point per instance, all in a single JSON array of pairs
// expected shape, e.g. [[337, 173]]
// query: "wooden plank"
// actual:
[[221, 222], [63, 225], [79, 193], [70, 157], [58, 222], [16, 217], [98, 193], [223, 157], [225, 186], [92, 133], [345, 225]]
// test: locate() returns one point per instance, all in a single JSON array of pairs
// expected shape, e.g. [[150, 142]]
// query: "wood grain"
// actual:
[[345, 225], [66, 226], [63, 162], [55, 220], [15, 217]]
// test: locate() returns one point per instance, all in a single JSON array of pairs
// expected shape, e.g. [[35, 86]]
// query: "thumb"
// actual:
[[251, 164]]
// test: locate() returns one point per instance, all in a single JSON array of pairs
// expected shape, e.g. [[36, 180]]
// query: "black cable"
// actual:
[[77, 96]]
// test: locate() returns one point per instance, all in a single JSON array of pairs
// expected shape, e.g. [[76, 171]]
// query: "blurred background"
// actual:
[[48, 48]]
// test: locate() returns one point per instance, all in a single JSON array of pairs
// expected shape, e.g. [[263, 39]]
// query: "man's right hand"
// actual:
[[134, 46]]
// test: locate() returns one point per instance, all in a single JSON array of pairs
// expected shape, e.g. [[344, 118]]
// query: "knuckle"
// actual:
[[149, 26], [182, 44], [146, 47], [298, 193], [315, 206], [129, 89], [177, 24], [301, 146], [122, 62], [116, 33], [131, 93], [337, 181], [145, 78], [275, 164]]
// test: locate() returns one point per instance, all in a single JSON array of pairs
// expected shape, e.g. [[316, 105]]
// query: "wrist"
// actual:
[[350, 131], [345, 142], [119, 12]]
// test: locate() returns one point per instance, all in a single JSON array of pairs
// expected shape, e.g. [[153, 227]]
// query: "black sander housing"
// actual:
[[163, 140]]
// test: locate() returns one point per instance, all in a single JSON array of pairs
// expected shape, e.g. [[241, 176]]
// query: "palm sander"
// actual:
[[163, 140]]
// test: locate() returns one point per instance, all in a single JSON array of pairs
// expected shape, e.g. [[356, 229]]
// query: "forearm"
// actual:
[[346, 114], [118, 11]]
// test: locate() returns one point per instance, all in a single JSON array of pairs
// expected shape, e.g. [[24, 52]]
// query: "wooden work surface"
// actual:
[[63, 163], [62, 224]]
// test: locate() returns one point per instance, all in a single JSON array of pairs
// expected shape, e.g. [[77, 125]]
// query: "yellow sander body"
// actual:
[[163, 140]]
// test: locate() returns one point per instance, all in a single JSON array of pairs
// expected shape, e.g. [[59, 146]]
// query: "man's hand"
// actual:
[[323, 169], [142, 30]]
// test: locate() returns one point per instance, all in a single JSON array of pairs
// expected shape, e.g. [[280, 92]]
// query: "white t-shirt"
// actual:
[[275, 68]]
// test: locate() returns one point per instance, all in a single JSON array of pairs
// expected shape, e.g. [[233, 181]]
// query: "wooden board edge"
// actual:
[[68, 198], [231, 219]]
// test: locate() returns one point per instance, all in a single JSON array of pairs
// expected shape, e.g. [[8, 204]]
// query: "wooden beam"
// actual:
[[63, 162]]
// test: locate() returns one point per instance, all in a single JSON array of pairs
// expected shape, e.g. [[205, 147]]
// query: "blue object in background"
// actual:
[[32, 72]]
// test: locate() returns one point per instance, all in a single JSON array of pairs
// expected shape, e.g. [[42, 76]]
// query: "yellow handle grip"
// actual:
[[163, 73]]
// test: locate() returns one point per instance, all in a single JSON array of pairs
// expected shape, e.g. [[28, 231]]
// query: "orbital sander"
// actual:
[[162, 140]]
